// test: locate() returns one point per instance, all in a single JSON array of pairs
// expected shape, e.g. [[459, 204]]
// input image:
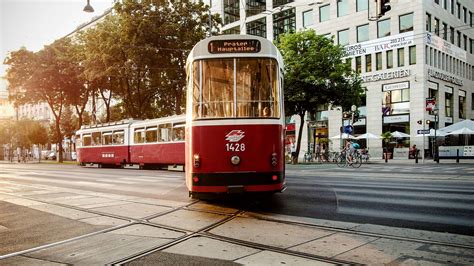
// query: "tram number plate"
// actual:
[[235, 146]]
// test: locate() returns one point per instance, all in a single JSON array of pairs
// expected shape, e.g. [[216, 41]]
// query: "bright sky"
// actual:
[[35, 23]]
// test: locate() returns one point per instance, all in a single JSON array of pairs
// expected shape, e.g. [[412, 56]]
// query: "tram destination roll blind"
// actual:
[[234, 46]]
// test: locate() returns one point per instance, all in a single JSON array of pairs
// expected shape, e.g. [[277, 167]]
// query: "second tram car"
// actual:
[[235, 116], [149, 143]]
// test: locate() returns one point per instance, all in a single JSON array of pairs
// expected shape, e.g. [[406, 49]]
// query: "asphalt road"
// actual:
[[430, 197]]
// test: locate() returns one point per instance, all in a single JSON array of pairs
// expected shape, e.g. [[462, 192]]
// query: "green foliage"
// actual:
[[386, 136], [22, 133], [140, 52], [315, 74]]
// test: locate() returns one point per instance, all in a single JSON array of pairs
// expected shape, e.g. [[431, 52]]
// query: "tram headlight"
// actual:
[[274, 160], [235, 160], [196, 160]]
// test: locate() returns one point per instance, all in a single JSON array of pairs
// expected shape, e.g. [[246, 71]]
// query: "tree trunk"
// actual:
[[300, 132], [60, 141]]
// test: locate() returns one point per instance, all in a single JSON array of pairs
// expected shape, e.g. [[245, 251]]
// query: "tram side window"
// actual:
[[257, 88], [96, 138], [86, 140], [165, 131], [217, 88], [118, 137], [107, 138], [139, 135], [178, 133], [151, 134]]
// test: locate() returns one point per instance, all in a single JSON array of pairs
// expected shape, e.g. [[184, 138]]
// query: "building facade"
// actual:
[[419, 53]]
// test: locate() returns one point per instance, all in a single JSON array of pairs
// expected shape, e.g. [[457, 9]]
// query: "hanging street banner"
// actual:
[[445, 46], [379, 45], [430, 104]]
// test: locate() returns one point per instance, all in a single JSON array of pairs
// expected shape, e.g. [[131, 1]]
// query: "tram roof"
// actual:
[[161, 120], [268, 49]]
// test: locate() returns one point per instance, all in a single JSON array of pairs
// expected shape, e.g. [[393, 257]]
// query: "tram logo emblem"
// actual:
[[235, 135]]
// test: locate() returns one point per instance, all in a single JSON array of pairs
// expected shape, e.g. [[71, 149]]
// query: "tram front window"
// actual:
[[257, 94], [256, 89]]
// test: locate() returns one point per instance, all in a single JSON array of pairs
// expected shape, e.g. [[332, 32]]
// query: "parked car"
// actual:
[[51, 156]]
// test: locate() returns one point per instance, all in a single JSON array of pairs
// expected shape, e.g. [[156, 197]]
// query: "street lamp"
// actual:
[[88, 8]]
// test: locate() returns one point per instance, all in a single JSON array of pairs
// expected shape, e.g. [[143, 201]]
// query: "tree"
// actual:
[[46, 76], [141, 52], [315, 74]]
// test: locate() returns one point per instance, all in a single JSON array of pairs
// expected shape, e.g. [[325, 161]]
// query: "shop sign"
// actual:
[[448, 119], [401, 73], [396, 86], [379, 45], [396, 119], [448, 78], [445, 46]]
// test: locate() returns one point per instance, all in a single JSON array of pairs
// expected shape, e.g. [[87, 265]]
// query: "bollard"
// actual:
[[457, 156], [416, 156], [386, 156]]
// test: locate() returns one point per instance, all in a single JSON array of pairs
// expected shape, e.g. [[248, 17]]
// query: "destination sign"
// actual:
[[234, 46]]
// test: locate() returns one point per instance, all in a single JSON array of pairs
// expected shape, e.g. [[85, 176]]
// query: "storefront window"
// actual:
[[396, 102]]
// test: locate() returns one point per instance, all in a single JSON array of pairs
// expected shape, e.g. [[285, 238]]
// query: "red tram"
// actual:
[[148, 143], [234, 116]]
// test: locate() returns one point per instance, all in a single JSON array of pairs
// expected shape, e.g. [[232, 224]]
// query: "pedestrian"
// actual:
[[293, 152], [317, 152]]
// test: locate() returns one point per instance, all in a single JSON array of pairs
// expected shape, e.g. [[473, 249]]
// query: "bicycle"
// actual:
[[343, 159]]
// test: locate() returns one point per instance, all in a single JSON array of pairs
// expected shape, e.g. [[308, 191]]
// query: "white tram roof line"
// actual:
[[121, 122], [103, 128], [161, 120]]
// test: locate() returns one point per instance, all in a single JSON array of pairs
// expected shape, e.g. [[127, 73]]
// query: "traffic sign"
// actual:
[[423, 131]]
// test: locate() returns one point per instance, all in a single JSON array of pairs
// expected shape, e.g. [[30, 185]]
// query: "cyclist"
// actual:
[[350, 149]]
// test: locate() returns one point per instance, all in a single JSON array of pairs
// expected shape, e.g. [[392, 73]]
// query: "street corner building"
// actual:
[[416, 54]]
